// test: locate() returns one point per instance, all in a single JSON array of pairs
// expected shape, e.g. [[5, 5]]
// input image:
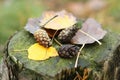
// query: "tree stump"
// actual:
[[102, 61]]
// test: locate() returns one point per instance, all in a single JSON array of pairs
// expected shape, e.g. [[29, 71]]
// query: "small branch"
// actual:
[[57, 42], [85, 75], [90, 37], [76, 62], [78, 77]]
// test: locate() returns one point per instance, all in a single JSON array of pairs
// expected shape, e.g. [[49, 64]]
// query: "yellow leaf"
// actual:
[[38, 52], [62, 21]]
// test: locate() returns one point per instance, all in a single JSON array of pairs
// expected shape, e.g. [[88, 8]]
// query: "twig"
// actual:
[[76, 62], [85, 75], [57, 42], [78, 76], [90, 37]]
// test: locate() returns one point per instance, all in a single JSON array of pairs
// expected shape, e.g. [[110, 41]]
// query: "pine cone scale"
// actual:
[[42, 38], [66, 35], [68, 51]]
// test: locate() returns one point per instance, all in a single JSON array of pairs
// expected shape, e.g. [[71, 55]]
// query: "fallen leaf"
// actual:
[[32, 25], [38, 52], [62, 21], [91, 27]]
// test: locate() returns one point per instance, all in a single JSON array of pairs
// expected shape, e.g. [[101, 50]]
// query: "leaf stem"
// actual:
[[76, 62], [91, 37], [57, 42], [54, 35], [50, 20], [20, 50]]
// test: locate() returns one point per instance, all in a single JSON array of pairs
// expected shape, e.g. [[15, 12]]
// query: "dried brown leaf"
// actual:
[[91, 27], [62, 21]]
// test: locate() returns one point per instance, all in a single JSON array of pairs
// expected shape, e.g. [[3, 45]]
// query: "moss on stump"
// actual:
[[104, 60]]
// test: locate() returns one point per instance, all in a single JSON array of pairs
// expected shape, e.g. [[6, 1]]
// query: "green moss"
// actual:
[[92, 55]]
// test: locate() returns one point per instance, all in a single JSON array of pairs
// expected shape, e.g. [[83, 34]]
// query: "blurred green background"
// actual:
[[15, 13]]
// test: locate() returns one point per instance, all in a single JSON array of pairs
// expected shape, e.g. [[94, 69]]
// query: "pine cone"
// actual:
[[66, 35], [42, 38], [68, 51]]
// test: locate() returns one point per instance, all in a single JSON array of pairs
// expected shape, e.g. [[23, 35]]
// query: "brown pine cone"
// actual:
[[42, 38], [68, 51], [66, 35]]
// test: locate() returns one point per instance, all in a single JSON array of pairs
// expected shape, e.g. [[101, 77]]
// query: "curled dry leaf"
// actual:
[[91, 27], [38, 52], [32, 25], [51, 21], [62, 21]]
